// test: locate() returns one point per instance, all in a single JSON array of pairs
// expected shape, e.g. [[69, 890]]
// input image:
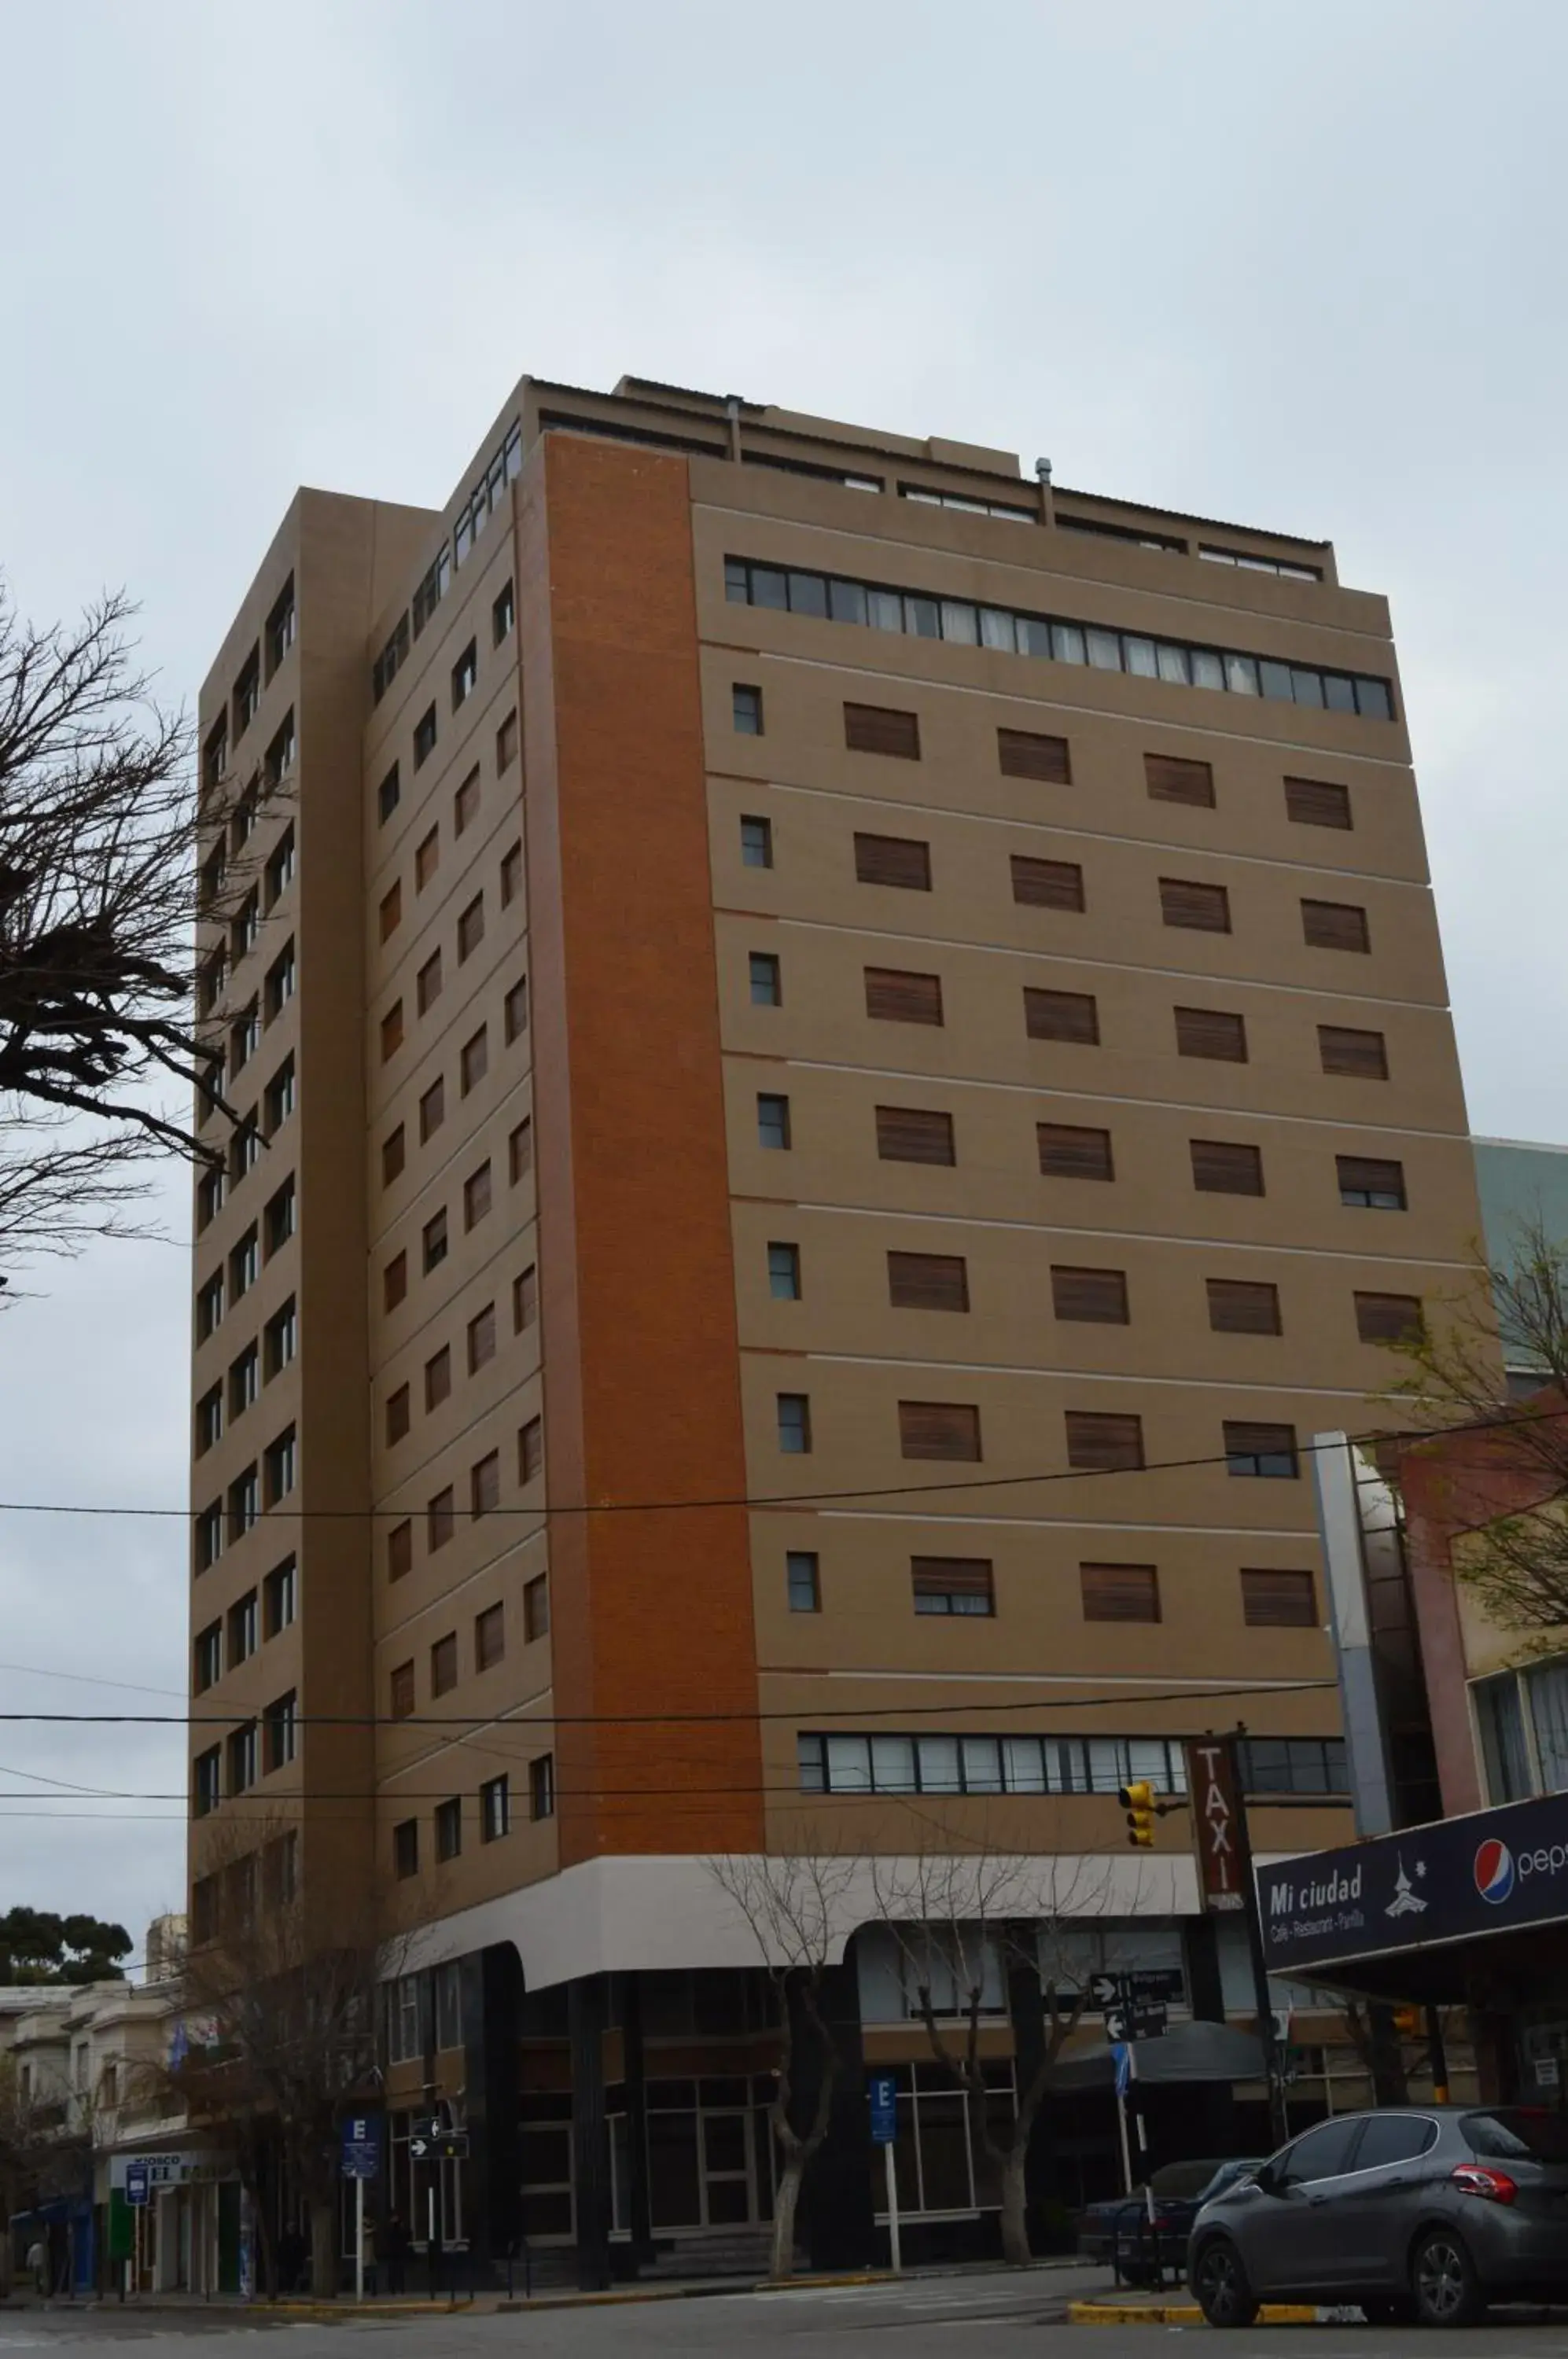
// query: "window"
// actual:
[[401, 1698], [210, 1201], [434, 1240], [530, 1449], [1243, 1307], [208, 1657], [772, 1120], [281, 752], [506, 744], [1370, 1184], [244, 1381], [1068, 1151], [431, 588], [525, 1300], [1210, 1032], [209, 1420], [794, 1424], [1362, 1056], [481, 1338], [766, 988], [784, 1273], [393, 1156], [802, 1578], [1389, 1318], [1294, 1765], [536, 1608], [473, 1061], [210, 1307], [1317, 803], [280, 1597], [871, 729], [511, 874], [928, 1281], [1252, 562], [384, 671], [280, 987], [894, 996], [243, 1629], [424, 737], [400, 1416], [211, 981], [1335, 926], [465, 674], [245, 1148], [484, 1484], [900, 861], [489, 1636], [1101, 1444], [1222, 1167], [399, 1551], [392, 1030], [913, 1135], [1171, 779], [245, 930], [471, 928], [280, 1340], [394, 1282], [952, 1584], [757, 842], [215, 753], [541, 1787], [746, 711], [1278, 1601], [1203, 909], [432, 1109], [406, 1848], [476, 1196], [448, 1828], [282, 1216], [437, 1378], [893, 1763], [495, 1809], [387, 795], [521, 1150], [503, 615], [428, 983], [1061, 1015], [248, 694], [1267, 1451], [209, 1540], [206, 1783], [282, 1465], [443, 1664], [1119, 1593], [1024, 755], [245, 1265], [1096, 1296], [939, 1429], [279, 1732], [427, 859], [245, 1038], [1046, 884], [517, 1009]]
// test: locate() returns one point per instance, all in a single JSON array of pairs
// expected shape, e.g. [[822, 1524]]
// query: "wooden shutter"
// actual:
[[1240, 1306], [898, 997], [1120, 1593], [901, 860], [1096, 1295], [1278, 1600], [1317, 803], [1364, 1175], [928, 1281], [946, 1578], [1171, 779], [1363, 1056], [1242, 1441], [873, 729], [1389, 1318], [1061, 1015], [1099, 1443], [939, 1429], [1047, 884], [1070, 1152], [1203, 908], [1210, 1032], [1335, 926], [914, 1135], [1023, 755], [1222, 1167]]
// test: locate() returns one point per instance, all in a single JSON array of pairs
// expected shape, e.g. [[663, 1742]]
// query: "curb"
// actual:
[[1186, 2313]]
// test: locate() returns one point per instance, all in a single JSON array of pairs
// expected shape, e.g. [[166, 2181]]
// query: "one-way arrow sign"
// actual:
[[438, 2145]]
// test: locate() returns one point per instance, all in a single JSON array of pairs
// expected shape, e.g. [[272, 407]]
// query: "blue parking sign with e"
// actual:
[[884, 2108], [362, 2146], [136, 2190]]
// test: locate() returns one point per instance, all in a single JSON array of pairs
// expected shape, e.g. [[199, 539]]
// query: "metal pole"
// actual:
[[893, 2244], [431, 2239], [1278, 2125], [358, 2238], [1127, 2154], [1439, 2057]]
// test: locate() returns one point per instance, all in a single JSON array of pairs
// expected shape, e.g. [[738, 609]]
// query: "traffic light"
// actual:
[[1137, 1800], [1409, 2022]]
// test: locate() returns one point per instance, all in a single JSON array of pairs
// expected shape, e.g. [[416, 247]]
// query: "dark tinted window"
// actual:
[[1320, 2154], [1517, 2134], [1394, 2137]]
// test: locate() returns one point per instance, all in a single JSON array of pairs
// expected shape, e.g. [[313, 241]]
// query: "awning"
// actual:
[[1188, 2051]]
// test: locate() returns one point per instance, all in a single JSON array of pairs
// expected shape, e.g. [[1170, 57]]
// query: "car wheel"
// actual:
[[1443, 2285], [1220, 2283]]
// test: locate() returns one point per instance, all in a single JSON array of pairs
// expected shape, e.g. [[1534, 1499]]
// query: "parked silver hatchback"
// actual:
[[1424, 2213]]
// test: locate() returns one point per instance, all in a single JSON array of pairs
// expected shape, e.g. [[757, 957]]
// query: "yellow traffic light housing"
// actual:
[[1137, 1800], [1409, 2022]]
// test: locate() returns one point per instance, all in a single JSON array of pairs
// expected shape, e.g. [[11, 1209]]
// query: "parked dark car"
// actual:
[[1424, 2213], [1144, 2240]]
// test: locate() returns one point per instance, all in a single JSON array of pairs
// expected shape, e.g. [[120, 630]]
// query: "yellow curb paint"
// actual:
[[1179, 2313]]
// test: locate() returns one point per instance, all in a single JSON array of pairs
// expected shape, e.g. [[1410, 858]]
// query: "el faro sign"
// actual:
[[1216, 1814]]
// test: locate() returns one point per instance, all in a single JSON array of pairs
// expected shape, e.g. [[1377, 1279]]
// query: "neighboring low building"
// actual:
[[1523, 1189]]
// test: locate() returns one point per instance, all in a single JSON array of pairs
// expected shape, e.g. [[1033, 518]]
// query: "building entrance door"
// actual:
[[728, 2196]]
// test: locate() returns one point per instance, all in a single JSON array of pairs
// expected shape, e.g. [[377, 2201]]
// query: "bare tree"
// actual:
[[966, 1926], [800, 1912], [46, 2140], [100, 831]]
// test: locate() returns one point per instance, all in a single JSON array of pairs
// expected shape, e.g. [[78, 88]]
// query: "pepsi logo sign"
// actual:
[[1494, 1871]]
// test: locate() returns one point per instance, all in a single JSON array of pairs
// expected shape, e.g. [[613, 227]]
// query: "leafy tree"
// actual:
[[36, 1946]]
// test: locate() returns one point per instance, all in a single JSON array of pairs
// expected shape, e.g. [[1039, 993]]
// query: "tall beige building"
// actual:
[[848, 1053]]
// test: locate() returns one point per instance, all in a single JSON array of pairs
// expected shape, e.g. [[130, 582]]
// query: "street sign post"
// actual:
[[884, 2095], [139, 2189], [1134, 1985], [361, 2160], [434, 2145]]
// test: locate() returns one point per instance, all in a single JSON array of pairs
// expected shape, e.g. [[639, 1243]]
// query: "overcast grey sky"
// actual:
[[1300, 265]]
